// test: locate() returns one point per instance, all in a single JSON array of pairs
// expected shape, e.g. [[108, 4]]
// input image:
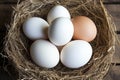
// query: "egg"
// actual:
[[61, 31], [36, 28], [85, 28], [76, 54], [44, 54], [56, 12]]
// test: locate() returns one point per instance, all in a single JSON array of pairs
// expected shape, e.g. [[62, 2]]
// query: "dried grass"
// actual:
[[17, 45]]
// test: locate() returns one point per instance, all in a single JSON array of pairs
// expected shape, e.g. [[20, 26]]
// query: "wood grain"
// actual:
[[116, 56], [111, 1], [114, 10]]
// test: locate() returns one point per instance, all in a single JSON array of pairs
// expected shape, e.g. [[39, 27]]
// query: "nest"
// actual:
[[17, 45]]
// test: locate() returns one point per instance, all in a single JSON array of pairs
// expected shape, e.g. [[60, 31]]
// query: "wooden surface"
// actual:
[[114, 10], [113, 7]]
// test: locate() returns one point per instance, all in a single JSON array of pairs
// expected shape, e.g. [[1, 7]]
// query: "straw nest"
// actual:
[[17, 45]]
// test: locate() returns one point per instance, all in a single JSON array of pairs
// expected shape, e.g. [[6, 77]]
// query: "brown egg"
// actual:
[[84, 28]]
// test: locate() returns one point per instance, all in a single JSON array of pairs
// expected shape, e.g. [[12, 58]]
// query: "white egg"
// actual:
[[36, 28], [56, 12], [61, 31], [76, 54], [44, 54]]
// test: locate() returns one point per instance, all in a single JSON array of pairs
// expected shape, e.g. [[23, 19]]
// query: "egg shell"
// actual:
[[85, 28], [44, 54], [56, 12], [36, 28], [76, 54], [61, 31]]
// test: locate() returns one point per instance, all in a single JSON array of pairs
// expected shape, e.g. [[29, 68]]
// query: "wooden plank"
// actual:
[[113, 73], [116, 56], [111, 1], [115, 12]]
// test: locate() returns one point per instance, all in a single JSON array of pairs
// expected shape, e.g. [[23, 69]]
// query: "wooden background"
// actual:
[[113, 7]]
